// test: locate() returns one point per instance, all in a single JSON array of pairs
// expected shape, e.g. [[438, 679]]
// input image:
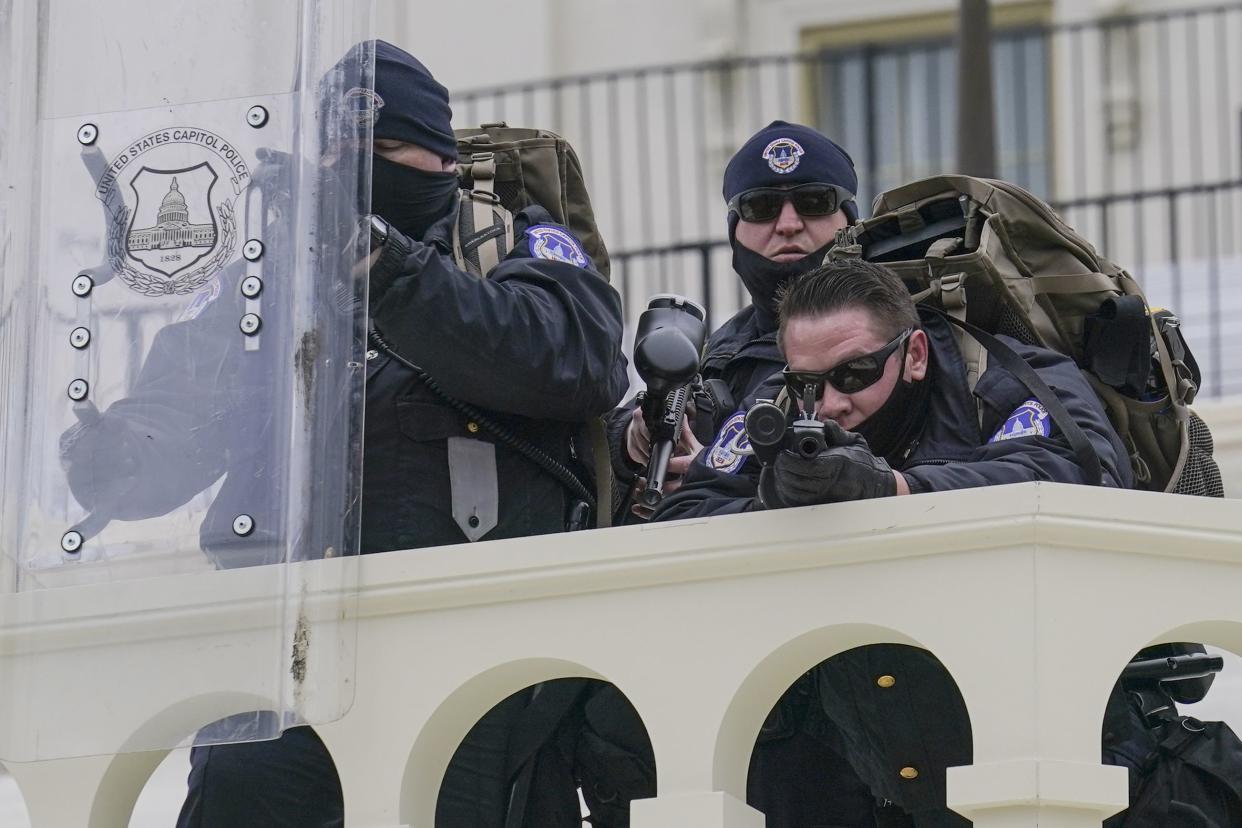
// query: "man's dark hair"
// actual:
[[845, 284]]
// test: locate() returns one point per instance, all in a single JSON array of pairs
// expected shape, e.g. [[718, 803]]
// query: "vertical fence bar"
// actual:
[[1022, 162], [754, 70], [614, 167], [1080, 114], [1165, 109], [784, 92], [1103, 206], [869, 130], [642, 146], [705, 281], [697, 127], [932, 92], [1175, 267], [905, 148], [1195, 102], [672, 134], [1106, 79], [528, 106], [1214, 297], [558, 106]]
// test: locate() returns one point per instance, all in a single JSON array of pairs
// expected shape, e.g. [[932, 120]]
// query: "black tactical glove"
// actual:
[[393, 248], [847, 470]]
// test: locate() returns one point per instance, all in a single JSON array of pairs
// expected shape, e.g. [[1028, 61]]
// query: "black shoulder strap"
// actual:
[[1084, 452]]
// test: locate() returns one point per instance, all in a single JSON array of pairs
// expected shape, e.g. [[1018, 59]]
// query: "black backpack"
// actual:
[[1184, 773]]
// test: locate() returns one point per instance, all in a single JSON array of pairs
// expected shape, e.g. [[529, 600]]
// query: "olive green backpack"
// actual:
[[990, 254], [504, 169]]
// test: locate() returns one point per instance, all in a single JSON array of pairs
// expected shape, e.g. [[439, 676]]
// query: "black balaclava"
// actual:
[[764, 277], [410, 198], [412, 107], [894, 426], [782, 155]]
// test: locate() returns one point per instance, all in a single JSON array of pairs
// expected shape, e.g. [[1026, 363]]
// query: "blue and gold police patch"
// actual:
[[732, 446], [1027, 420], [555, 244], [784, 155]]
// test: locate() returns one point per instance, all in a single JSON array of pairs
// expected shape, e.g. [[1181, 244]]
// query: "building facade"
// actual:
[[1127, 116]]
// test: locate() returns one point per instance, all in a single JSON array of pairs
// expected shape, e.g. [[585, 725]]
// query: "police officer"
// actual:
[[476, 392], [788, 190], [890, 386]]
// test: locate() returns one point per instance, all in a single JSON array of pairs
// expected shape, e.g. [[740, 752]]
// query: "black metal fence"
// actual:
[[1132, 125]]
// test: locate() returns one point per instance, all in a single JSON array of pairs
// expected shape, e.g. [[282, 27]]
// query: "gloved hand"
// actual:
[[847, 470], [389, 249]]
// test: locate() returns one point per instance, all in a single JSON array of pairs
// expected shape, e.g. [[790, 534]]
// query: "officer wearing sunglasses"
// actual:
[[788, 190], [890, 386]]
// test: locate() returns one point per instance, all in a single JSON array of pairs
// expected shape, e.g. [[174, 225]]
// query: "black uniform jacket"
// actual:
[[918, 721], [954, 450], [536, 345]]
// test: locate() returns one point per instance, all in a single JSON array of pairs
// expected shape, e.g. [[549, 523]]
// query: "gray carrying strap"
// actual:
[[473, 481], [950, 291], [483, 234]]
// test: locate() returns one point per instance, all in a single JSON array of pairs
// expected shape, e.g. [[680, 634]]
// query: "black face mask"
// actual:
[[409, 198], [895, 425], [763, 277]]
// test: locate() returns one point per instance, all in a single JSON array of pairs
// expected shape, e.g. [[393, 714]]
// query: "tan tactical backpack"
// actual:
[[991, 254], [505, 169]]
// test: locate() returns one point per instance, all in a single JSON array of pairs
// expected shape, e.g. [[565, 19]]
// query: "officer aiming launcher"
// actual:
[[667, 348]]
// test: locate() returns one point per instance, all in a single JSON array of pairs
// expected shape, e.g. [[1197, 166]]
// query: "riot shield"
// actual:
[[182, 351]]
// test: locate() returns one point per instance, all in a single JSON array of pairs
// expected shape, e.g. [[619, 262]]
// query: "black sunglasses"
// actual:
[[849, 377], [765, 203]]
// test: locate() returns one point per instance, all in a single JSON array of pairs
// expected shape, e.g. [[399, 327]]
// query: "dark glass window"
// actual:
[[893, 107]]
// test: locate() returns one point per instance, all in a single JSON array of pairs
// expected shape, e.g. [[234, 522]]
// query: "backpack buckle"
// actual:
[[483, 165], [952, 292]]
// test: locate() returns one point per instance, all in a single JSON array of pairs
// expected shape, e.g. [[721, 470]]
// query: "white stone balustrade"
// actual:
[[1033, 596]]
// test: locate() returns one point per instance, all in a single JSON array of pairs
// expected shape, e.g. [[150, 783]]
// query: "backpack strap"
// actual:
[[601, 459], [950, 291], [483, 234], [1084, 452]]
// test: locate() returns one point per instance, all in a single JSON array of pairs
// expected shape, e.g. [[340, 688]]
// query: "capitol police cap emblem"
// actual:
[[171, 224], [363, 105], [1030, 419], [555, 244], [783, 155]]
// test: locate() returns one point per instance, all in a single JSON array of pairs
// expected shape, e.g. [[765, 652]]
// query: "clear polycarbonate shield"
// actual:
[[182, 349]]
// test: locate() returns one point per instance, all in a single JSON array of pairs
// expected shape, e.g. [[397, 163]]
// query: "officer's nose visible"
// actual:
[[788, 222], [833, 405]]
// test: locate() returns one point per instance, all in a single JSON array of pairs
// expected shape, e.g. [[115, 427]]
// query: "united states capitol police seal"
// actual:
[[170, 199]]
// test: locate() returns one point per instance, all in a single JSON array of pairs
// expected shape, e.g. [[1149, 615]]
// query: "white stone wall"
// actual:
[[701, 623]]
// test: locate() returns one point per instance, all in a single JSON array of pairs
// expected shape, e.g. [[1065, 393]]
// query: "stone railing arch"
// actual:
[[1032, 596]]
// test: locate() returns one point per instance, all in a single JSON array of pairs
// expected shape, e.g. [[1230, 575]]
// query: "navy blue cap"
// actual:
[[413, 106], [782, 154]]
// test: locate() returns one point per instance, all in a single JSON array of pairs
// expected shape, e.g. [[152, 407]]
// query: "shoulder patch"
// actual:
[[555, 244], [1027, 420], [732, 446]]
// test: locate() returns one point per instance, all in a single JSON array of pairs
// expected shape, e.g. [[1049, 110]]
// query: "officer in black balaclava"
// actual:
[[788, 190], [533, 349]]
